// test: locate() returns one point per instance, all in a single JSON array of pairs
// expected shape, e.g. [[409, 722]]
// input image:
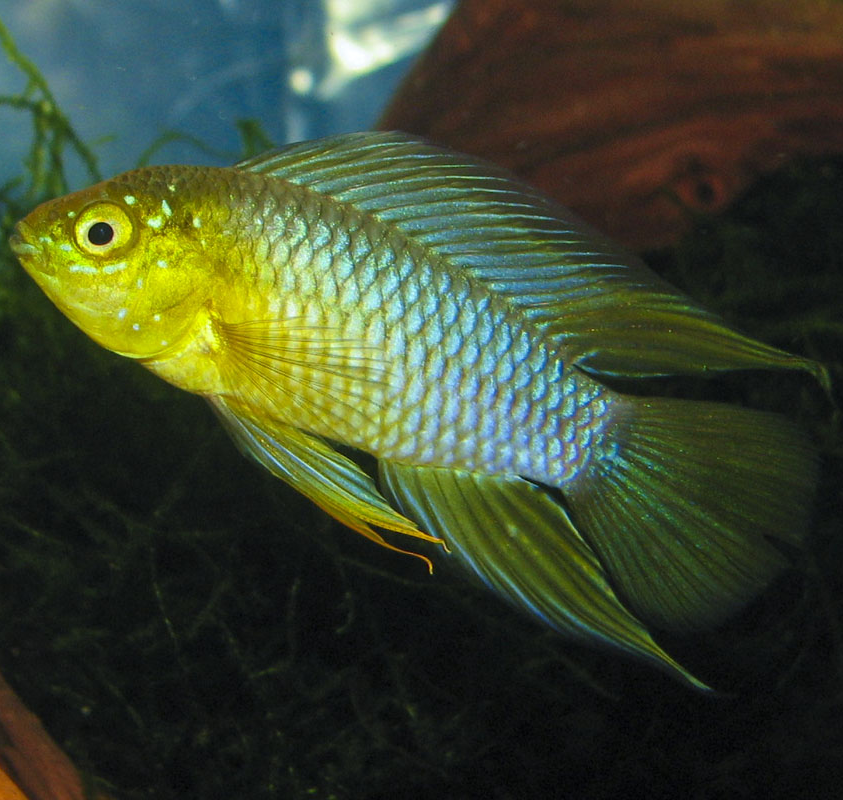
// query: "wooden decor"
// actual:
[[634, 113]]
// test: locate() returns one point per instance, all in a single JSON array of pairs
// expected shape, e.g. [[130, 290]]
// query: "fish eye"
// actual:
[[102, 228], [100, 233]]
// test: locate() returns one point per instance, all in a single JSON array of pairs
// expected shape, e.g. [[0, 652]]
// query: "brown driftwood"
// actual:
[[32, 767], [633, 112]]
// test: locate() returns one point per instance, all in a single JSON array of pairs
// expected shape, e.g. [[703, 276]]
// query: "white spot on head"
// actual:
[[197, 222], [155, 222], [163, 264], [112, 268], [82, 268], [121, 313], [46, 239], [139, 283], [164, 343], [66, 247], [165, 207], [129, 199], [135, 326], [171, 187], [71, 214], [156, 318]]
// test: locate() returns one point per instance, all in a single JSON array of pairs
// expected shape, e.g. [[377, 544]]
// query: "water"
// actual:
[[128, 72]]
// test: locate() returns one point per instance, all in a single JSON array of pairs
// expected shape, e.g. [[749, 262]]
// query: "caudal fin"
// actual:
[[685, 508]]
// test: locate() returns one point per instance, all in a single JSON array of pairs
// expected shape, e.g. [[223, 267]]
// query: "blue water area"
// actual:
[[127, 72]]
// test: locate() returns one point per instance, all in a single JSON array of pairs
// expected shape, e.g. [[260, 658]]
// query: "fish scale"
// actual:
[[459, 385]]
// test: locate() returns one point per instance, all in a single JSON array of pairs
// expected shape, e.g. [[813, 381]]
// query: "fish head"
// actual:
[[122, 259]]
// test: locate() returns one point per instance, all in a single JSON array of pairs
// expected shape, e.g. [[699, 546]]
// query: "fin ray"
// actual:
[[335, 483], [604, 309], [685, 509], [321, 374], [521, 542]]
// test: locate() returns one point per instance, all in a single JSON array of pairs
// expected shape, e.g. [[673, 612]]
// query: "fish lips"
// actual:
[[31, 256]]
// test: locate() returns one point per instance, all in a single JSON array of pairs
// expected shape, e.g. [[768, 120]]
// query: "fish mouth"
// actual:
[[30, 255], [21, 247]]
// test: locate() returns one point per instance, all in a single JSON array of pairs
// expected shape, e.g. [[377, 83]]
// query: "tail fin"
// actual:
[[684, 510]]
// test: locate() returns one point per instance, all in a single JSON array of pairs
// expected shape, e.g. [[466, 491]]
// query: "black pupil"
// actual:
[[100, 233]]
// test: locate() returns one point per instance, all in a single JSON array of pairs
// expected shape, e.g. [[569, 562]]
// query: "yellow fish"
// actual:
[[385, 294]]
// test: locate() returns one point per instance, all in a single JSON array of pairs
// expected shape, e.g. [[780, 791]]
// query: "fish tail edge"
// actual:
[[687, 504]]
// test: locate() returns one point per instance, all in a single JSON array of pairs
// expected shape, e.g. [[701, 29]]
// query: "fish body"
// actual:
[[382, 293]]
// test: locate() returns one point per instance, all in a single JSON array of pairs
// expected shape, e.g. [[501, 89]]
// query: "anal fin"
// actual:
[[521, 542]]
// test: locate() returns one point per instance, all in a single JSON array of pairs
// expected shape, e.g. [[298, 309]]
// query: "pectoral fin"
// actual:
[[332, 481], [319, 372]]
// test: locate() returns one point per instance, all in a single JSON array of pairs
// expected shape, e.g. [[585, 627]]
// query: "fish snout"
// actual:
[[30, 255]]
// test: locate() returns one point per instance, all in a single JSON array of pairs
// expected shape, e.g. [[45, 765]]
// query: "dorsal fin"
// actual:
[[603, 308]]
